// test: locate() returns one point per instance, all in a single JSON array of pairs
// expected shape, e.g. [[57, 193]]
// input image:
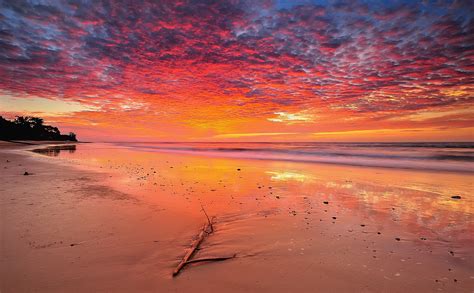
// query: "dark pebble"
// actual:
[[456, 197], [26, 174], [398, 239], [325, 202]]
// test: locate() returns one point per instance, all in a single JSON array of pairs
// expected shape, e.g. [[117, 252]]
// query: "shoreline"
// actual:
[[210, 155], [395, 158], [70, 229], [420, 169]]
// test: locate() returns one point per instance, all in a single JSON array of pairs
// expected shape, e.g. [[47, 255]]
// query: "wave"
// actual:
[[433, 156]]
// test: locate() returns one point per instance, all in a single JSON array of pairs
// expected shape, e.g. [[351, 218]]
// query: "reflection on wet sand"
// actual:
[[374, 192], [287, 176], [364, 213], [55, 150]]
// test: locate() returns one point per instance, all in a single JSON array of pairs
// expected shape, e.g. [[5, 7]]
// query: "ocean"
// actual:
[[440, 156]]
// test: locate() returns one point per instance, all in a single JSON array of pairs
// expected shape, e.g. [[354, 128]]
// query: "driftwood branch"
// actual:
[[204, 232]]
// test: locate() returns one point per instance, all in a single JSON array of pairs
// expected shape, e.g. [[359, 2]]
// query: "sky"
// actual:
[[241, 70]]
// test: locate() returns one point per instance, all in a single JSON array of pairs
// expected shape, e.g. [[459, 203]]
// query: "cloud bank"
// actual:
[[214, 67]]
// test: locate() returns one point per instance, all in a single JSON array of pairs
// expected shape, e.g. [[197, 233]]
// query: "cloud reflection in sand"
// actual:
[[288, 176]]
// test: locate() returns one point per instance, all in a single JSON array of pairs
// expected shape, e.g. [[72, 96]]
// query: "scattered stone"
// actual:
[[325, 202], [398, 239], [451, 252], [456, 197], [422, 238], [238, 169], [278, 197], [362, 225], [26, 173], [334, 218]]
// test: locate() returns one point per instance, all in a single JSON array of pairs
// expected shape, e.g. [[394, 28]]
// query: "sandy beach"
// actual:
[[102, 218]]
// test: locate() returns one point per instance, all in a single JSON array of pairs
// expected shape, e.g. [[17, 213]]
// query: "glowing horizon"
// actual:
[[242, 70]]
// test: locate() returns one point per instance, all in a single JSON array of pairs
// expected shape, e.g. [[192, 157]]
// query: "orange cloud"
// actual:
[[201, 71]]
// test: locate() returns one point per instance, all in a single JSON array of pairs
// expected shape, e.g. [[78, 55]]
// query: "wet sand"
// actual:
[[103, 218]]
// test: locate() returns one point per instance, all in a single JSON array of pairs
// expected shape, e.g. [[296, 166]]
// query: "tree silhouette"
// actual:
[[31, 128]]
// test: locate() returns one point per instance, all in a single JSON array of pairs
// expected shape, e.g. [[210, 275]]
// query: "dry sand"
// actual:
[[101, 218]]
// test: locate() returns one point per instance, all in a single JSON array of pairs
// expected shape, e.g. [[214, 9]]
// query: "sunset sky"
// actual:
[[241, 70]]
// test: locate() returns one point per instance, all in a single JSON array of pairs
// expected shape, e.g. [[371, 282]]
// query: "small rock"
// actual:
[[238, 169], [398, 239], [26, 174], [325, 202], [456, 197]]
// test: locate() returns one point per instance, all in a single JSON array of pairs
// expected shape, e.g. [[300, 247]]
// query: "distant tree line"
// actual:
[[31, 128]]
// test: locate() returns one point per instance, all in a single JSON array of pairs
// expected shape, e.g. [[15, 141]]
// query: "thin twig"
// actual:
[[211, 259], [208, 220]]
